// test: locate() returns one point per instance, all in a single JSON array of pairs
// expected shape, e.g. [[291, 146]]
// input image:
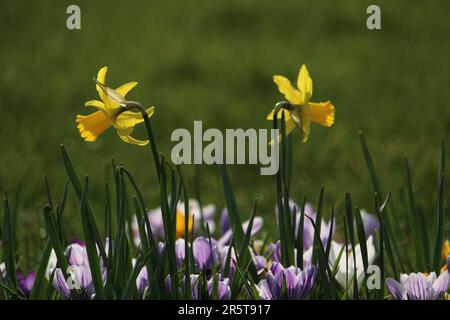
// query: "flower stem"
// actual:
[[148, 127]]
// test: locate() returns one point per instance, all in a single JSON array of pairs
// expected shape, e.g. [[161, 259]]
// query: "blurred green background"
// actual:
[[213, 61]]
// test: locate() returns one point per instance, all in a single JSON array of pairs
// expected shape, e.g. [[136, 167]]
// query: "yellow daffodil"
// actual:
[[111, 113], [301, 112]]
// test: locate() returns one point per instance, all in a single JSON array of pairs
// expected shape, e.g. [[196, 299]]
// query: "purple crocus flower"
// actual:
[[206, 253], [227, 232], [275, 251], [142, 282], [79, 279], [180, 251], [77, 254], [260, 262], [298, 283], [26, 283], [223, 259], [308, 228], [223, 287], [78, 275], [418, 286], [370, 222]]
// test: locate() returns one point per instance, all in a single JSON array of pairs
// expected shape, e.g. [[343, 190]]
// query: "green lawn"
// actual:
[[213, 61]]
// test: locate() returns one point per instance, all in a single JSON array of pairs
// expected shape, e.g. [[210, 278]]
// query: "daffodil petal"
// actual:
[[290, 125], [321, 113], [304, 83], [289, 92], [96, 104], [125, 88], [125, 136], [129, 119], [286, 115], [306, 125], [101, 77], [91, 126]]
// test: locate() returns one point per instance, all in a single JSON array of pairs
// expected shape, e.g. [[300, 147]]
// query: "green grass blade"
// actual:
[[377, 188], [318, 222], [413, 220], [73, 176], [40, 274], [169, 230], [363, 245], [236, 224], [91, 249], [351, 233], [439, 225], [187, 274], [9, 252], [299, 242], [54, 238], [378, 211], [326, 277], [387, 239], [330, 234], [439, 228]]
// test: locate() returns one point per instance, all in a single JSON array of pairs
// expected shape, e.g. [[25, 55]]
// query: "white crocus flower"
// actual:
[[342, 277]]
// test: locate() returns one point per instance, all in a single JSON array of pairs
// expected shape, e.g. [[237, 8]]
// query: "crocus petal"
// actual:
[[60, 284], [180, 251], [209, 212], [51, 265], [260, 263], [263, 290], [78, 254], [224, 221], [142, 281], [441, 285], [396, 290], [446, 249], [25, 283], [257, 225], [416, 286], [205, 253], [276, 268], [223, 288], [370, 222]]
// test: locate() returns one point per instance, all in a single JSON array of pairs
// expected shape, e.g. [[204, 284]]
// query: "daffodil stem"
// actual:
[[151, 138]]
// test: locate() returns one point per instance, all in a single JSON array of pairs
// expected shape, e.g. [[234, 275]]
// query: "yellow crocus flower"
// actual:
[[301, 112], [446, 249], [445, 255], [111, 112], [180, 224]]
